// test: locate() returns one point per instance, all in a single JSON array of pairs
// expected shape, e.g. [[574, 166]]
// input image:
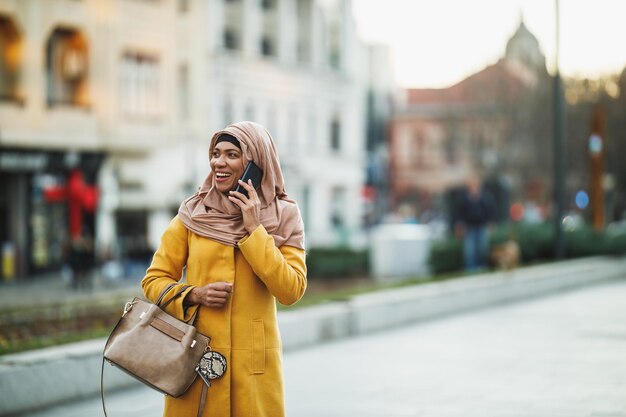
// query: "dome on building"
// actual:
[[523, 49]]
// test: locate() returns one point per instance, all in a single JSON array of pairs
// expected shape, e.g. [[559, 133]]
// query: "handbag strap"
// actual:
[[205, 389], [104, 407], [164, 291], [181, 290]]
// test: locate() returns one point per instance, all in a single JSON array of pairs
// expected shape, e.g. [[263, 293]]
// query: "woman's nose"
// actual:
[[220, 161]]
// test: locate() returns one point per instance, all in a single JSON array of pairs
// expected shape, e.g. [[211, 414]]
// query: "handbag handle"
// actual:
[[181, 290], [164, 291]]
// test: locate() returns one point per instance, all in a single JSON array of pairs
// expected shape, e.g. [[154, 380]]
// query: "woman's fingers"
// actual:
[[221, 286], [252, 197], [216, 294], [247, 185], [250, 188], [215, 302], [250, 206], [239, 196]]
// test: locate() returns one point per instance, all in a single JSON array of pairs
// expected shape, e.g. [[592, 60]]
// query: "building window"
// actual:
[[272, 121], [269, 28], [420, 150], [183, 6], [228, 112], [183, 92], [335, 134], [10, 60], [311, 129], [139, 84], [338, 207], [66, 68], [306, 204], [231, 39], [132, 238], [304, 31], [233, 25], [268, 4], [292, 129], [47, 223], [268, 47], [333, 32], [334, 51]]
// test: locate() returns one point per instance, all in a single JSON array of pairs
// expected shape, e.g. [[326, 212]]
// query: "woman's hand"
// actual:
[[213, 295], [250, 206]]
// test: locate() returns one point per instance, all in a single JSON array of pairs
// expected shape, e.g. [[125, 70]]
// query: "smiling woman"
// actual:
[[226, 163], [241, 254]]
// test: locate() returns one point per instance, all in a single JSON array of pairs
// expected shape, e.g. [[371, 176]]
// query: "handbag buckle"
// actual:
[[127, 307]]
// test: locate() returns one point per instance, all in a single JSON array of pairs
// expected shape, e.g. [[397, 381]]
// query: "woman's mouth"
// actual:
[[222, 176]]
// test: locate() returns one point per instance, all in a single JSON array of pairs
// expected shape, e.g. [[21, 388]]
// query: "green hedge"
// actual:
[[446, 256], [536, 244], [536, 240], [339, 262]]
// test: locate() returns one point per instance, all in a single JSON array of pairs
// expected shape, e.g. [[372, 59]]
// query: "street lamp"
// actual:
[[559, 246], [597, 151]]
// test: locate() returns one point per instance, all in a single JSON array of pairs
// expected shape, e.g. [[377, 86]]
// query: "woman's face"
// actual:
[[227, 166]]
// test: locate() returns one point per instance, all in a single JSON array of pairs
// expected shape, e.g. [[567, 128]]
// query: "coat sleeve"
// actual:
[[282, 270], [167, 268]]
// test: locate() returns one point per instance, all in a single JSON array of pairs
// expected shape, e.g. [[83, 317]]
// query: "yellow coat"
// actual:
[[245, 330]]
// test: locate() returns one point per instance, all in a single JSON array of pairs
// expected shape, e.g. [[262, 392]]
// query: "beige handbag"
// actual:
[[154, 347]]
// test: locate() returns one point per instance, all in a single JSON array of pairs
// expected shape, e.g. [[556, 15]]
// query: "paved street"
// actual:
[[559, 356]]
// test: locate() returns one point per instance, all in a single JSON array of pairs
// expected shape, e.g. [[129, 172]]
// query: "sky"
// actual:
[[437, 43]]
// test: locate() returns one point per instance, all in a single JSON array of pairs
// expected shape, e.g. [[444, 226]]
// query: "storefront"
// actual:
[[38, 208]]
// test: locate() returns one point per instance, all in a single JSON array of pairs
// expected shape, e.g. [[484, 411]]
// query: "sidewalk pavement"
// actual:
[[548, 357], [66, 373], [53, 289]]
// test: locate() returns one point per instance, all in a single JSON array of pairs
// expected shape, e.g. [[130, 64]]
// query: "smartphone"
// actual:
[[252, 172]]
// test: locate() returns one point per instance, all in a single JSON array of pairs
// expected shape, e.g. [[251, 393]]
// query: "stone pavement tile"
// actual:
[[134, 402], [531, 359]]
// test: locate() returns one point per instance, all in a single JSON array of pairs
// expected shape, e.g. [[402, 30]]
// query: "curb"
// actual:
[[386, 309], [72, 372]]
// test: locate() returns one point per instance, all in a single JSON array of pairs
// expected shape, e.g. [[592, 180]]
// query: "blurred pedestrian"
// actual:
[[475, 212], [81, 259], [240, 254]]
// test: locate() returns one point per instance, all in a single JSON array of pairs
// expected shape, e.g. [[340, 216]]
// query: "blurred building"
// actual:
[[292, 65], [496, 121], [381, 89], [119, 98]]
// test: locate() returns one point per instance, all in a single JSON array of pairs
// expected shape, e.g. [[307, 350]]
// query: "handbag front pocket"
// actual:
[[258, 346]]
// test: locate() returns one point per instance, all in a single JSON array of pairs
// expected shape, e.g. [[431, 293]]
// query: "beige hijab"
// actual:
[[211, 214]]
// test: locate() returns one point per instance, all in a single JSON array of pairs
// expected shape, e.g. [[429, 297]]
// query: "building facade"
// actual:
[[292, 65], [496, 123], [89, 90]]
